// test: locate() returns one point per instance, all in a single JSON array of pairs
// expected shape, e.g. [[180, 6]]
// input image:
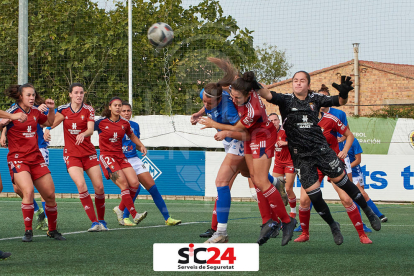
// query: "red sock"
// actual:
[[355, 217], [264, 207], [51, 213], [276, 203], [100, 206], [132, 192], [292, 202], [86, 201], [127, 201], [304, 218], [28, 212], [214, 221]]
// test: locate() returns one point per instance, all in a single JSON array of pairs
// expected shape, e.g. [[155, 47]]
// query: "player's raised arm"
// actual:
[[51, 115], [343, 88]]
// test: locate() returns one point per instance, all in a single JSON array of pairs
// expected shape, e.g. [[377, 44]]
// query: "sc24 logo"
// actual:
[[187, 252]]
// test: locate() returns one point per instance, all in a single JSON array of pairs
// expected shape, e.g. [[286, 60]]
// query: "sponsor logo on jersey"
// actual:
[[91, 157], [115, 138], [305, 123], [66, 117], [106, 127], [294, 109], [29, 133], [74, 129]]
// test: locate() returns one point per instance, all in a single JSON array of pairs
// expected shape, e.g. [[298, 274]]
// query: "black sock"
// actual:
[[352, 190], [320, 205]]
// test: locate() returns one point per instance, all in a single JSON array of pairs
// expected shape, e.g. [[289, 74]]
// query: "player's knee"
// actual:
[[245, 173], [305, 202]]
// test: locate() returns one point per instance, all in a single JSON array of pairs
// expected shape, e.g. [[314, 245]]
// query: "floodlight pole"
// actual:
[[356, 74], [22, 60], [130, 51]]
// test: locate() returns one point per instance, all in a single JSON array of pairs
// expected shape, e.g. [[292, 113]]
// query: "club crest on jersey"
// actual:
[[122, 127], [312, 106], [82, 117], [66, 117], [34, 118], [113, 167], [18, 166], [16, 156]]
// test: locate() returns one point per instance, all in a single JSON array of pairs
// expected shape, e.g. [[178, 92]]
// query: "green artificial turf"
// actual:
[[128, 250]]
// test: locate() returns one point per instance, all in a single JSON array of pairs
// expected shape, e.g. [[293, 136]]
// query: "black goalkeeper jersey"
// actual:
[[300, 121]]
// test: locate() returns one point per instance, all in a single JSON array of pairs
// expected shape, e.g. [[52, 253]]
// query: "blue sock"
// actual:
[[159, 202], [374, 208], [126, 212], [310, 207], [223, 204], [271, 178], [36, 207], [44, 207]]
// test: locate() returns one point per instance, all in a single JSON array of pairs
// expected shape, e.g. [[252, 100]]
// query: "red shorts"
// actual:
[[283, 168], [112, 163], [259, 147], [84, 162], [36, 170]]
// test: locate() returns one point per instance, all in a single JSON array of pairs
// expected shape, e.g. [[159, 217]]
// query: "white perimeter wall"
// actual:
[[383, 175]]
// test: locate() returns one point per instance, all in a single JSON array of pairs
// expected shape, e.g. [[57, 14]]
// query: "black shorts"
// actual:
[[324, 159]]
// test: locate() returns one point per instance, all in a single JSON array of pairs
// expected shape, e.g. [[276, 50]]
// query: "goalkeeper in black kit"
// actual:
[[308, 147]]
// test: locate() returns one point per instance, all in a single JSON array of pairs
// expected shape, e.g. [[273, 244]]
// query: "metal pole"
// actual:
[[356, 74], [22, 73], [130, 51]]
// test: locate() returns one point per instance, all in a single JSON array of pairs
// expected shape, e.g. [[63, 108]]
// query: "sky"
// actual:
[[320, 33]]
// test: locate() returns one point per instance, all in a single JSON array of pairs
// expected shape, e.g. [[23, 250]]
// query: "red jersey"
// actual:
[[282, 154], [73, 124], [253, 116], [22, 137], [331, 125], [111, 134]]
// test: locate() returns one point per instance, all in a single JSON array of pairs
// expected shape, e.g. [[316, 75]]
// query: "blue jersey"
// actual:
[[128, 147], [354, 150], [224, 113], [341, 115]]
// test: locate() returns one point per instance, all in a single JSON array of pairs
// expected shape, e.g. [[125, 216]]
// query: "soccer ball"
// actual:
[[160, 35]]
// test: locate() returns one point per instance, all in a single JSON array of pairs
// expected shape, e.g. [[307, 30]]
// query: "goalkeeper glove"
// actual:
[[344, 88]]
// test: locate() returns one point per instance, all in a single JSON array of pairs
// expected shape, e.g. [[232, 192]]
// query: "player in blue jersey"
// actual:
[[144, 177], [354, 154], [219, 107]]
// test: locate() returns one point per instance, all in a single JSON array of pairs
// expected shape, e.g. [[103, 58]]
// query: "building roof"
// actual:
[[403, 70]]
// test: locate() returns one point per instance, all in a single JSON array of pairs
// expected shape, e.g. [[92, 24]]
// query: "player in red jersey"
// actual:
[[330, 126], [259, 150], [26, 164], [112, 128], [80, 155], [284, 165]]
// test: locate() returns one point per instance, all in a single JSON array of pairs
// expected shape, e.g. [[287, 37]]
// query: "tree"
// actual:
[[271, 64], [75, 41]]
